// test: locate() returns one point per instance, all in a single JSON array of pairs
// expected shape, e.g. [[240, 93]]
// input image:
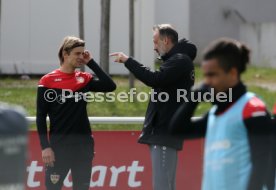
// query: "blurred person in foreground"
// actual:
[[61, 96], [238, 131], [13, 147], [273, 164], [176, 73]]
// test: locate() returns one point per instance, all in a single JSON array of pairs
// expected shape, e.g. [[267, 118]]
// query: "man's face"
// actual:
[[159, 44], [216, 77], [75, 57]]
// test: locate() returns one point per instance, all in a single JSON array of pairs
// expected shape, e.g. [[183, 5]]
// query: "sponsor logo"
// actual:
[[101, 175], [80, 79], [219, 145], [58, 79], [54, 178]]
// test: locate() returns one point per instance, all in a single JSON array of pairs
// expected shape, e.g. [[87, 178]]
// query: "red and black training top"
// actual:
[[69, 122]]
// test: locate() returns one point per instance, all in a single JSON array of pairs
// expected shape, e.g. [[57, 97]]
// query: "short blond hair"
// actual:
[[69, 43]]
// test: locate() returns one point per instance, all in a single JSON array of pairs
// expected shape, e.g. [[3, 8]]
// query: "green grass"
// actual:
[[252, 75], [258, 80], [117, 108], [260, 75], [23, 92], [19, 92]]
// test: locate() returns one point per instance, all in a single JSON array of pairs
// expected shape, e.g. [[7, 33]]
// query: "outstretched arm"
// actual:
[[182, 123], [184, 126], [169, 74]]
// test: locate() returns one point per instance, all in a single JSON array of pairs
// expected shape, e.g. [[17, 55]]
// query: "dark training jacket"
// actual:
[[69, 122], [176, 72]]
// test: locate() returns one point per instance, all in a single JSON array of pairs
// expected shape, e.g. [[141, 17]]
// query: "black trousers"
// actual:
[[78, 158]]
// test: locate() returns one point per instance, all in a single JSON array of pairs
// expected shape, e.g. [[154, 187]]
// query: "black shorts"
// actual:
[[78, 158]]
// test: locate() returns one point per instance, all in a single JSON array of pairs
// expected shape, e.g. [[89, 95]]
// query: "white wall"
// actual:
[[144, 18], [175, 12], [32, 31], [209, 21], [119, 39], [261, 38]]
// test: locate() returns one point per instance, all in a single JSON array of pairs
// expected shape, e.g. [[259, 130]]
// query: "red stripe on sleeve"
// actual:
[[274, 109], [253, 108]]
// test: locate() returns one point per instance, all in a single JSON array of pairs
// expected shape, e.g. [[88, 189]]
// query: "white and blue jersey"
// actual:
[[239, 145], [227, 162]]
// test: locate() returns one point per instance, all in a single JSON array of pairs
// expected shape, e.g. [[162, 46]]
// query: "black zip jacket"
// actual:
[[176, 72]]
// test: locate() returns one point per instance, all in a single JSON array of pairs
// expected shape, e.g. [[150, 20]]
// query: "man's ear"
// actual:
[[64, 54], [166, 40]]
